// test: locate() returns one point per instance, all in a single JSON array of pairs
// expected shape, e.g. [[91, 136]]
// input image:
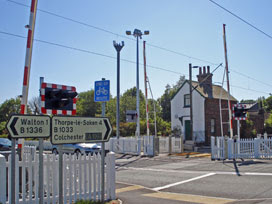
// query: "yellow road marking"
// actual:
[[129, 188], [189, 198]]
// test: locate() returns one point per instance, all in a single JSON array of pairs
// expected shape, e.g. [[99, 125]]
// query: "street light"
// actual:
[[118, 48], [191, 98], [137, 34]]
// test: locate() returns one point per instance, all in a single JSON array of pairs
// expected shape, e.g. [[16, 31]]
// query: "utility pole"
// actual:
[[146, 97], [118, 48], [227, 74], [191, 100]]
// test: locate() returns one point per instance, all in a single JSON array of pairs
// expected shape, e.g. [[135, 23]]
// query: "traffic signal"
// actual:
[[59, 99], [239, 112]]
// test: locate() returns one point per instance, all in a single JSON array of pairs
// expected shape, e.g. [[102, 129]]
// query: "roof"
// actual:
[[252, 107], [216, 91]]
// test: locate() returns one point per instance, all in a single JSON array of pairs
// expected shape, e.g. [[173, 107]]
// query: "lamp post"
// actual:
[[191, 98], [137, 34], [118, 48]]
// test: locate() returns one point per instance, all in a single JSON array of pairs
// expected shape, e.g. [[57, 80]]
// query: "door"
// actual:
[[188, 130]]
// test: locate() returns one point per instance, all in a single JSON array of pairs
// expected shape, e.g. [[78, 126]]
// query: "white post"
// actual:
[[112, 175], [3, 179]]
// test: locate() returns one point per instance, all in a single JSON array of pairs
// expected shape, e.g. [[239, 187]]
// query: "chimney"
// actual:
[[205, 81]]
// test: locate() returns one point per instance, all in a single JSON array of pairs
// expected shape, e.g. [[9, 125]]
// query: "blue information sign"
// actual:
[[102, 91]]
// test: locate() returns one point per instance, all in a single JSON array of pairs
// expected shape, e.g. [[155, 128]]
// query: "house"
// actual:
[[255, 113], [206, 112]]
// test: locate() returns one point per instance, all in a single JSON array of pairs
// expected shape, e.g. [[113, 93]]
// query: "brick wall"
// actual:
[[212, 111]]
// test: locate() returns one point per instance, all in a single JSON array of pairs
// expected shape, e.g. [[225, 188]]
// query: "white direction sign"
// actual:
[[71, 129], [29, 126]]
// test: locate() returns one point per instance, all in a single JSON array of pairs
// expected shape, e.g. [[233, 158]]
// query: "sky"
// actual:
[[74, 43]]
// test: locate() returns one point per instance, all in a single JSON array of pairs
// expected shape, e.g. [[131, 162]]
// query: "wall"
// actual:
[[178, 110], [212, 111]]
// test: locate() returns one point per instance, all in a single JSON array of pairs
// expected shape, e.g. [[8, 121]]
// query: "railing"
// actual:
[[81, 180], [124, 145], [248, 148]]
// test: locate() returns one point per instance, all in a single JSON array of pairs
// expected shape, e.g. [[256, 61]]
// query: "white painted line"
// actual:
[[197, 172], [182, 182]]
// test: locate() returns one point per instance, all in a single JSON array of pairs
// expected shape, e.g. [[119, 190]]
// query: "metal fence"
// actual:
[[249, 148]]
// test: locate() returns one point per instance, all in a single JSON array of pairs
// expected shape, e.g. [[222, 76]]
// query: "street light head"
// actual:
[[146, 32], [128, 32], [123, 43], [114, 43], [196, 67], [137, 32]]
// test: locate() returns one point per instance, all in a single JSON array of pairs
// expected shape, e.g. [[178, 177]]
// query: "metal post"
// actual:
[[103, 157], [60, 148], [137, 87], [191, 101], [13, 157], [41, 159], [118, 48]]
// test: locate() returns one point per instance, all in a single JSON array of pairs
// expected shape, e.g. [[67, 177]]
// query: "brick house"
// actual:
[[206, 111], [257, 115]]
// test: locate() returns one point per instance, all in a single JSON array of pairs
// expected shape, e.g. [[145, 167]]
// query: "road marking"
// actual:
[[189, 198], [129, 188], [182, 182], [197, 172]]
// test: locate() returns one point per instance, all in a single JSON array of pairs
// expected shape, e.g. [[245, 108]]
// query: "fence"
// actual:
[[81, 180], [250, 148], [171, 144], [124, 145]]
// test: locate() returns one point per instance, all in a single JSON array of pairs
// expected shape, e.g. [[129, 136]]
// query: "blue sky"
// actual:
[[189, 27]]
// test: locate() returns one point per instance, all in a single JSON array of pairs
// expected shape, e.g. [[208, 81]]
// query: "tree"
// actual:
[[165, 100], [268, 124], [34, 105], [268, 104], [10, 106], [86, 105]]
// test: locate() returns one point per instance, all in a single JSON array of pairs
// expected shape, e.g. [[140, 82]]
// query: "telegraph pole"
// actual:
[[227, 74]]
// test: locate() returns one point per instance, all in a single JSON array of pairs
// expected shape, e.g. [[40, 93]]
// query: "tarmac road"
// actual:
[[177, 179]]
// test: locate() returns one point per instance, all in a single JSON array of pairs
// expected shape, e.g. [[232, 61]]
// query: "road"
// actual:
[[181, 179]]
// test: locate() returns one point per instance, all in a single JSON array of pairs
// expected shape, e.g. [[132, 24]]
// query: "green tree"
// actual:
[[268, 124], [86, 105], [8, 107], [268, 104]]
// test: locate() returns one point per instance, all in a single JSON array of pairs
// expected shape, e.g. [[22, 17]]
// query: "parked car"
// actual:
[[80, 148], [5, 144]]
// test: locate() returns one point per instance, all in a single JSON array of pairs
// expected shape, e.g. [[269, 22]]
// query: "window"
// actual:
[[187, 100], [212, 125]]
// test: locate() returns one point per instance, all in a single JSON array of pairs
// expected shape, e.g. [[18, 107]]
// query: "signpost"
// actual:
[[102, 91], [72, 129], [29, 126]]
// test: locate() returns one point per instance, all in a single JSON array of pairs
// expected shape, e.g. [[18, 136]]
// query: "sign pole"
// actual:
[[41, 158], [13, 157], [103, 156], [60, 173]]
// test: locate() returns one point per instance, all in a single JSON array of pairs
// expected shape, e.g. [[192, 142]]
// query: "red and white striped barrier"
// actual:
[[29, 46]]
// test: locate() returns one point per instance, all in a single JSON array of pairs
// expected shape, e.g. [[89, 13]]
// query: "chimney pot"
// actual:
[[200, 71], [204, 70], [208, 67]]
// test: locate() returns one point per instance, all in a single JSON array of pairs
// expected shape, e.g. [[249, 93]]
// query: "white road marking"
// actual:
[[181, 182], [198, 172]]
